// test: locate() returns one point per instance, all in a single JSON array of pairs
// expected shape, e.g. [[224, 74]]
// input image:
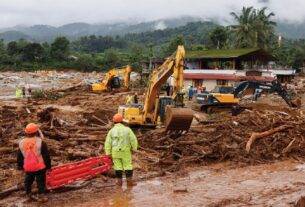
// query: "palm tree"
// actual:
[[254, 29], [264, 27], [244, 30]]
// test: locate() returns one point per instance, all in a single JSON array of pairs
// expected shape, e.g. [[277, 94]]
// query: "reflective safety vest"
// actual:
[[31, 151]]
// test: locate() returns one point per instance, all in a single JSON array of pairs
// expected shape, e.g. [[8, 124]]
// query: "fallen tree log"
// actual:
[[5, 150], [11, 190], [256, 135]]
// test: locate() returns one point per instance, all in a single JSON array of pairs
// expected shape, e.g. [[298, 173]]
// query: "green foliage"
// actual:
[[291, 53], [111, 59], [60, 48], [219, 37], [135, 57], [172, 46], [254, 28], [33, 52], [86, 62], [12, 48], [94, 44]]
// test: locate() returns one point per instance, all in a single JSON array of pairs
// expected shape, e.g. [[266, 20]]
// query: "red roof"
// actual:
[[202, 76]]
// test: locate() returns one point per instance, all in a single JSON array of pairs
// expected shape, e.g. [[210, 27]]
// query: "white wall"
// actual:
[[209, 84]]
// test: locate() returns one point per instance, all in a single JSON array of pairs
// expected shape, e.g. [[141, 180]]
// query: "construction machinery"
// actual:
[[156, 109], [209, 102], [112, 79]]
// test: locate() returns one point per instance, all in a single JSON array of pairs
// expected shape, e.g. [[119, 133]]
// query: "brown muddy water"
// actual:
[[277, 184]]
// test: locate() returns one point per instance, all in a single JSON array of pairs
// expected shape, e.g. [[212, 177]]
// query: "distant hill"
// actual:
[[292, 30], [13, 35], [195, 32], [41, 33]]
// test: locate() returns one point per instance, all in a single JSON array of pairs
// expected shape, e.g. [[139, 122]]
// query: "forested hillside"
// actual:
[[141, 42]]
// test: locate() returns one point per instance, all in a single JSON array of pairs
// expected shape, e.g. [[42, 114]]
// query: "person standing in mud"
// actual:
[[34, 159], [135, 98], [23, 92], [119, 144]]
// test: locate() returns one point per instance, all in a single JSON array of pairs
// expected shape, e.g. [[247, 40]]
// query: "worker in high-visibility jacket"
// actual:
[[34, 159], [119, 144]]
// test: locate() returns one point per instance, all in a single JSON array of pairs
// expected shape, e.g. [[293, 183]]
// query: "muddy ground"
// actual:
[[211, 165]]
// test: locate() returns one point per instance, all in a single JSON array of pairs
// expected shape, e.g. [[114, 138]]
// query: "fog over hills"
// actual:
[[41, 33]]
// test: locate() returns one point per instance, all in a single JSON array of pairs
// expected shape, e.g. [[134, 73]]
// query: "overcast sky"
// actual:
[[59, 12]]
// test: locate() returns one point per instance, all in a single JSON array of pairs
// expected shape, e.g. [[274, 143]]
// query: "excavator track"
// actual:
[[178, 119]]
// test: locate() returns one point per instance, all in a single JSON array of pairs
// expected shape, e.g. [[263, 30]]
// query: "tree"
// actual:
[[254, 28], [12, 48], [264, 27], [172, 47], [60, 48], [4, 58], [86, 62], [33, 52], [218, 37], [136, 56], [244, 30], [111, 59]]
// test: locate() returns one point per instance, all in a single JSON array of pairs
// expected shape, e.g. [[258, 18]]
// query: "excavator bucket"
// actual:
[[178, 119]]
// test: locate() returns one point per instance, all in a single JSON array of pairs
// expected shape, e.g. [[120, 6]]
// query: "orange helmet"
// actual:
[[31, 128], [117, 118]]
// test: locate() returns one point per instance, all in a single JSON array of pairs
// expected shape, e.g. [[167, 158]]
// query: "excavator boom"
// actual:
[[274, 86], [157, 108]]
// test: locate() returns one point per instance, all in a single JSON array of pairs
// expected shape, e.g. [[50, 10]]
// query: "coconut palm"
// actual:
[[264, 27], [254, 29], [244, 29]]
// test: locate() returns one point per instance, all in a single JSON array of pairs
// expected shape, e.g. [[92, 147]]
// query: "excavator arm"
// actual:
[[274, 86], [172, 66], [177, 117], [158, 108]]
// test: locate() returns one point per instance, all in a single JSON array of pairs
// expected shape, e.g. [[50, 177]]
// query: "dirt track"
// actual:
[[75, 126]]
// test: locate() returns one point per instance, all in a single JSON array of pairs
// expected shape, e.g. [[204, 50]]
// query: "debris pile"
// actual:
[[252, 137], [74, 127], [76, 124]]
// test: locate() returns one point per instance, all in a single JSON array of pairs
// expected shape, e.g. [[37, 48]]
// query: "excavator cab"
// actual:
[[115, 82]]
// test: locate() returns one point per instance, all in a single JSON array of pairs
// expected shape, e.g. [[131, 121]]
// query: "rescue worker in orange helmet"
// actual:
[[119, 144], [34, 159]]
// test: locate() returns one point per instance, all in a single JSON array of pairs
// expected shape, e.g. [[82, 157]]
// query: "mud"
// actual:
[[278, 184]]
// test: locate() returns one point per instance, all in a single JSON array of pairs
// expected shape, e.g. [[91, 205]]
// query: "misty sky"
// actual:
[[58, 12]]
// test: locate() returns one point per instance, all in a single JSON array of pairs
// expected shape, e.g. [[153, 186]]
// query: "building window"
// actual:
[[222, 82]]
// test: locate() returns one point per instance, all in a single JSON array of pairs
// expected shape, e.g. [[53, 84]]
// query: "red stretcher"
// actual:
[[82, 170]]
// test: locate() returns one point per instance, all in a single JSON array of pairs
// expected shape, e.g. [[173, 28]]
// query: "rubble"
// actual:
[[229, 138]]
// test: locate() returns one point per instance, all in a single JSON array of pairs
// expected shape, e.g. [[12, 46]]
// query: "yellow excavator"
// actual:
[[112, 79], [157, 109]]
